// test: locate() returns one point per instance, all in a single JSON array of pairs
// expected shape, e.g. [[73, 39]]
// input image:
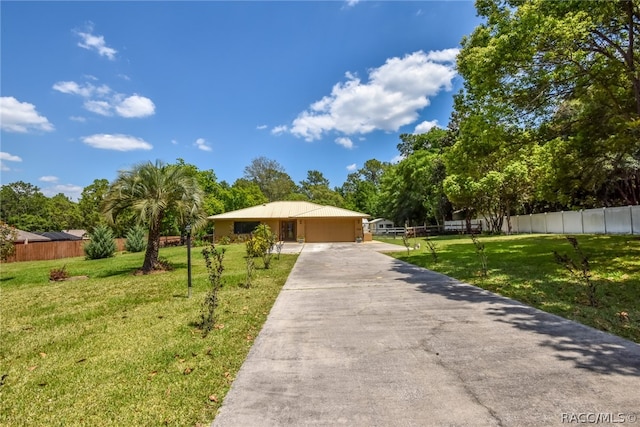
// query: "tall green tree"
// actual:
[[271, 178], [63, 214], [151, 190], [413, 188], [242, 194], [568, 72], [316, 189], [90, 203], [24, 206], [361, 190]]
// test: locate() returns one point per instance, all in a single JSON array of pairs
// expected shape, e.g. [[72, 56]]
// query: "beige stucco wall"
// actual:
[[347, 225]]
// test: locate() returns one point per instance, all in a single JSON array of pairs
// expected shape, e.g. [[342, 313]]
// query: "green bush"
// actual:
[[102, 244], [261, 244], [136, 239]]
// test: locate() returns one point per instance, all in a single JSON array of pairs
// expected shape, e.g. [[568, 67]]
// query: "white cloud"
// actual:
[[391, 98], [9, 157], [16, 116], [279, 130], [397, 159], [261, 127], [345, 142], [425, 127], [48, 178], [351, 3], [174, 141], [202, 144], [74, 88], [70, 190], [96, 43], [78, 119], [85, 90], [352, 167], [444, 55], [102, 100], [99, 107], [117, 142], [135, 106]]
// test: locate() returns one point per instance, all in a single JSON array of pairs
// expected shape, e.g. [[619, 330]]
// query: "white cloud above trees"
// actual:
[[104, 101], [7, 157], [116, 142], [345, 142], [21, 117], [425, 126], [392, 97], [201, 143]]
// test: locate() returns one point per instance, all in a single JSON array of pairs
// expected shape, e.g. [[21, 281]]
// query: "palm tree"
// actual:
[[151, 190]]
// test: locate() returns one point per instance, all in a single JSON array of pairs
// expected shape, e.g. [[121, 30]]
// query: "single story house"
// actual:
[[378, 225], [59, 236], [294, 220], [24, 237]]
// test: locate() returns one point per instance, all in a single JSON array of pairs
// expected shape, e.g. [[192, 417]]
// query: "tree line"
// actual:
[[548, 119]]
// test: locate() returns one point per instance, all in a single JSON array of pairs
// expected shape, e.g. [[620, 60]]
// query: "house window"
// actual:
[[244, 227]]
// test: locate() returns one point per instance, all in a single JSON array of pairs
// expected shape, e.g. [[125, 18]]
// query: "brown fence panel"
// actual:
[[39, 251]]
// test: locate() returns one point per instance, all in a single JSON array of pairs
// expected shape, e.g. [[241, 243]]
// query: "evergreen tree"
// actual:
[[136, 241], [102, 244]]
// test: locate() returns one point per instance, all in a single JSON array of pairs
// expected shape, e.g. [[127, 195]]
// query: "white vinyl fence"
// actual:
[[615, 220]]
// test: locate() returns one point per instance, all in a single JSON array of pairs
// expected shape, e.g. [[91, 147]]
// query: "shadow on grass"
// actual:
[[587, 348]]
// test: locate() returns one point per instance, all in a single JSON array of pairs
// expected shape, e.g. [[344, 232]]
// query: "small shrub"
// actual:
[[101, 245], [253, 247], [279, 246], [8, 235], [58, 274], [261, 244], [482, 256], [136, 239], [224, 240], [214, 261], [266, 241], [407, 242], [581, 270], [251, 266], [433, 249]]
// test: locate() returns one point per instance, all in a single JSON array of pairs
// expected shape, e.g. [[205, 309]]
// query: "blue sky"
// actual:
[[91, 88]]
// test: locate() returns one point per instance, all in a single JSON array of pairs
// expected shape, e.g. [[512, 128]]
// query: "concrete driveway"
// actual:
[[358, 338]]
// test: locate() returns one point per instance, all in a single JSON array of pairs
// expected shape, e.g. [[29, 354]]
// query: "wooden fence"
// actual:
[[38, 251]]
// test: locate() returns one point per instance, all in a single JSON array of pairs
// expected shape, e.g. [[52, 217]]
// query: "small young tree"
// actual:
[[214, 261], [8, 235], [266, 240], [101, 245], [136, 241]]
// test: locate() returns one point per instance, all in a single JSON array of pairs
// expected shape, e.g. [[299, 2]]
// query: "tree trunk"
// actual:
[[153, 247]]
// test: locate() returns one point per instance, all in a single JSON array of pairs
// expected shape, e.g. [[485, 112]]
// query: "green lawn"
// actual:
[[120, 349], [523, 267]]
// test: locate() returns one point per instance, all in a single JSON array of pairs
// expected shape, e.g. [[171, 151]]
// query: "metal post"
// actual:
[[188, 230]]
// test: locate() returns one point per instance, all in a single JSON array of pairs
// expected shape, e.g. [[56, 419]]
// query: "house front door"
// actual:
[[288, 231]]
